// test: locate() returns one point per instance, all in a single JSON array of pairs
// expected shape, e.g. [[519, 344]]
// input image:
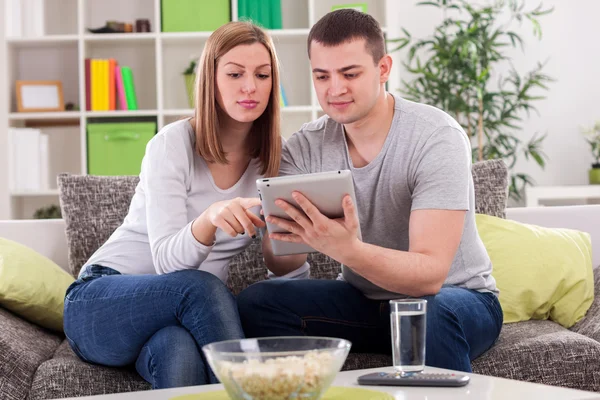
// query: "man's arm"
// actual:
[[434, 237]]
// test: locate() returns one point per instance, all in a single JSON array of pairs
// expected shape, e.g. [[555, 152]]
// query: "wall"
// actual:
[[570, 45], [4, 198]]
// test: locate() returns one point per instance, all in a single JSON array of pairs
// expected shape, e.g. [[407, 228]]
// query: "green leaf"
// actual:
[[428, 3]]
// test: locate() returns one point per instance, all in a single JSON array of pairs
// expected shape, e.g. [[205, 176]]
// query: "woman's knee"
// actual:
[[171, 358], [203, 285], [175, 341]]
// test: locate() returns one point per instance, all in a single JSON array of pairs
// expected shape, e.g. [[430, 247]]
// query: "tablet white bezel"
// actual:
[[324, 189]]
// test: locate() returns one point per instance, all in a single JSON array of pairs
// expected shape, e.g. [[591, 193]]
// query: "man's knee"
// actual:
[[442, 308], [256, 296]]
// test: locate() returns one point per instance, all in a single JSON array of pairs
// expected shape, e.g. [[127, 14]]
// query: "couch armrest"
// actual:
[[584, 218], [46, 236]]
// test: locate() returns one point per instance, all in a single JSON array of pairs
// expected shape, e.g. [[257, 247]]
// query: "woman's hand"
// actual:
[[231, 216]]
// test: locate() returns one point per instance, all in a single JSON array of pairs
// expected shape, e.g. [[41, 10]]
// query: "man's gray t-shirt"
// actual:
[[425, 163]]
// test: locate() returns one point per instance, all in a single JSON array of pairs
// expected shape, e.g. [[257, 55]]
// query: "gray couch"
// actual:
[[38, 364]]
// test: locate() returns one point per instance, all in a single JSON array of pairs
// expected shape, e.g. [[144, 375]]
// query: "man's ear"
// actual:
[[385, 68]]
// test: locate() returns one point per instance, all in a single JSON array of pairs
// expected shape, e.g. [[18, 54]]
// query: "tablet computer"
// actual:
[[324, 189]]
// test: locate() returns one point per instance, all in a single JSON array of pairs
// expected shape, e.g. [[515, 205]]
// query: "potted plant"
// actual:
[[453, 71], [592, 136], [49, 212], [190, 79]]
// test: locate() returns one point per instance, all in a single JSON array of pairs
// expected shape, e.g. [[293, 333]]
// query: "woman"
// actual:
[[154, 293]]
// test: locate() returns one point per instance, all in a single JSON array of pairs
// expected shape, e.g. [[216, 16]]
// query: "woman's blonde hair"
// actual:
[[265, 133]]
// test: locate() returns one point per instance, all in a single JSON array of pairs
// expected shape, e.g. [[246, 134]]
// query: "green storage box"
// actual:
[[117, 148], [194, 15]]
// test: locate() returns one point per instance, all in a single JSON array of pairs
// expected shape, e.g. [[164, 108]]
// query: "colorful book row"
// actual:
[[108, 86]]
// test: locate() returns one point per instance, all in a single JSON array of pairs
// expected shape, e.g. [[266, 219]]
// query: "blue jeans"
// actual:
[[461, 323], [158, 323]]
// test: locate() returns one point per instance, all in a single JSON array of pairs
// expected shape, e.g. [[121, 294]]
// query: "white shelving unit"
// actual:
[[157, 59]]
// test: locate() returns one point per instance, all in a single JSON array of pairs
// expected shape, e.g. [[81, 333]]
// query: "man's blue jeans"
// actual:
[[461, 323], [158, 323]]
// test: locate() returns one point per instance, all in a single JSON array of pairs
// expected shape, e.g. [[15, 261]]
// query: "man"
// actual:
[[411, 165]]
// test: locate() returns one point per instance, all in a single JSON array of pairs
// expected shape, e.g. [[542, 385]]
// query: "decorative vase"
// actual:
[[594, 175], [190, 80]]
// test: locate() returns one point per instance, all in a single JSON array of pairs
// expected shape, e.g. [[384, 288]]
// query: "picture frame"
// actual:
[[39, 96]]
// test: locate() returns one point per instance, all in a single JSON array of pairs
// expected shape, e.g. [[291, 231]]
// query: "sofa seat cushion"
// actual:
[[65, 375], [367, 360], [23, 347], [543, 352], [590, 325]]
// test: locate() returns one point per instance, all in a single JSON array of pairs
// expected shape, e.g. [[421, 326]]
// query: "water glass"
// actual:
[[408, 320]]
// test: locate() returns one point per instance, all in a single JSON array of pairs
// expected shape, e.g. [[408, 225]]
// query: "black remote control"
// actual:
[[414, 379]]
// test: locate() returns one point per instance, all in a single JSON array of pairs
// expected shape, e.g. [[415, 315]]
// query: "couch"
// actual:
[[38, 364]]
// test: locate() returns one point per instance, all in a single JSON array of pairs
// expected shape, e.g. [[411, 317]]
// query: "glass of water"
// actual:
[[408, 318]]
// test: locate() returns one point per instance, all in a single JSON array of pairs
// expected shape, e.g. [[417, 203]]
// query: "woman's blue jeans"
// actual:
[[158, 323]]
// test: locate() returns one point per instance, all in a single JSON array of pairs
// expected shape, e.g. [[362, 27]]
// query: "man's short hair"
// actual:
[[345, 25]]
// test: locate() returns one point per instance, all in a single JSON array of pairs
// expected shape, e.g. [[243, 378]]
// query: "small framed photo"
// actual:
[[362, 7], [39, 96]]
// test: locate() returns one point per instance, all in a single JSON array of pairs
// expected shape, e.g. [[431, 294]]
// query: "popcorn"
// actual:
[[279, 378]]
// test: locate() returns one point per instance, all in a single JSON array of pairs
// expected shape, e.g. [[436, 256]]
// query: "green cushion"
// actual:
[[31, 285], [542, 273]]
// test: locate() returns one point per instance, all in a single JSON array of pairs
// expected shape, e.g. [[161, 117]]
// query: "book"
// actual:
[[120, 89], [95, 77], [275, 14], [38, 17], [44, 162], [266, 13], [33, 18], [129, 86], [282, 97], [111, 84], [88, 83], [104, 85], [13, 19], [26, 166]]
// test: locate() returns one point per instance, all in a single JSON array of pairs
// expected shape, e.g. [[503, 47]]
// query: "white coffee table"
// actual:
[[480, 387]]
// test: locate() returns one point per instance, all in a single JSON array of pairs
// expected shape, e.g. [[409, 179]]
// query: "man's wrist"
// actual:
[[353, 254]]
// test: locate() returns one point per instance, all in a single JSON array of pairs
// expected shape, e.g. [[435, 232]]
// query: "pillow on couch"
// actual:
[[541, 272], [31, 285], [490, 181]]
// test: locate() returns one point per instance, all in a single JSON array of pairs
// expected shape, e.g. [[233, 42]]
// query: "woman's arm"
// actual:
[[280, 265]]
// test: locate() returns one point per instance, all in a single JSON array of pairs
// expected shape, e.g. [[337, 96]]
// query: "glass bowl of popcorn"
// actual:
[[274, 368]]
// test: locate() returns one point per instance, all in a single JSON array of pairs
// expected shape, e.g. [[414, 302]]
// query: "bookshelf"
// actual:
[[157, 59]]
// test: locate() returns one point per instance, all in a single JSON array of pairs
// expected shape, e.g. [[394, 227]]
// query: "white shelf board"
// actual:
[[50, 192], [122, 113], [289, 32], [183, 36], [296, 109], [178, 112], [21, 116], [50, 40], [119, 37]]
